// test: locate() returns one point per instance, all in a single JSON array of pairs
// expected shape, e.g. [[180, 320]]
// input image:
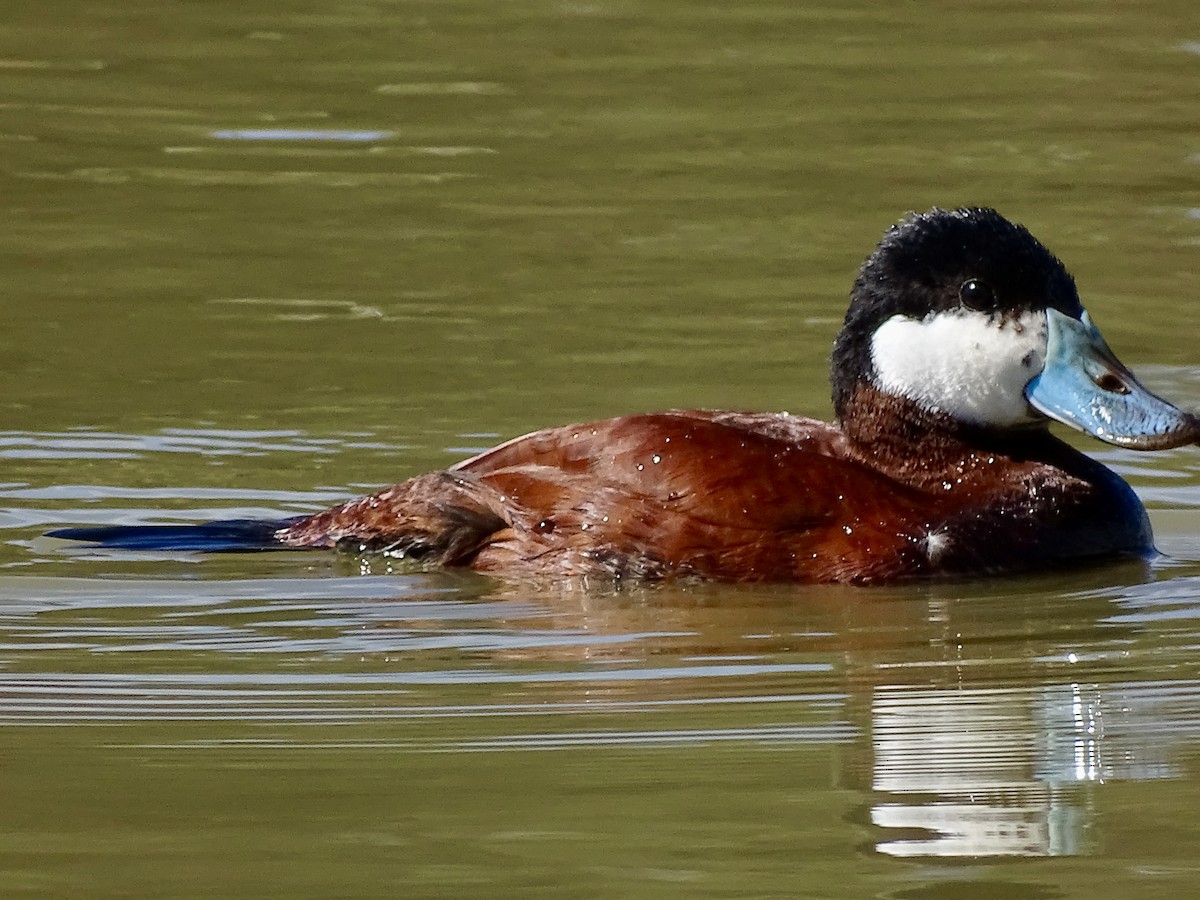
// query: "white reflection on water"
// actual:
[[1013, 768], [1011, 772], [301, 134], [971, 751]]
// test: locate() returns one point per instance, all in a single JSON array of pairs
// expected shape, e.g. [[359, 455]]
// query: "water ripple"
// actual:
[[325, 698]]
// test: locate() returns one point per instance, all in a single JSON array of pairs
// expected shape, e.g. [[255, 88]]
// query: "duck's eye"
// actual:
[[974, 294]]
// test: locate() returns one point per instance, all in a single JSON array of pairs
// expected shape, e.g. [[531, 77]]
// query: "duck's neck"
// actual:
[[928, 449]]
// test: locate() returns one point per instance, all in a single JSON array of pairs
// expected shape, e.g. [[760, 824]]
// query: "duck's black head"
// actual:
[[968, 316]]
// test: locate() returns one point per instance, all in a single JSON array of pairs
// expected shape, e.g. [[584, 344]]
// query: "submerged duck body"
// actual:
[[964, 337]]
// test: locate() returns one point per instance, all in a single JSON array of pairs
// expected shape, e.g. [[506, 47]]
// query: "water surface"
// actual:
[[258, 260]]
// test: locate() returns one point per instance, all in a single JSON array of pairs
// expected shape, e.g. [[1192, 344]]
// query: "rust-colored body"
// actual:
[[745, 496]]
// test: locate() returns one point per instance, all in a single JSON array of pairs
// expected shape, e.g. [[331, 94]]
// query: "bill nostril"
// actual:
[[1114, 384]]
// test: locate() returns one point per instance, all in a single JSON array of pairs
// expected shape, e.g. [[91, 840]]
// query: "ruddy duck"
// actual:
[[964, 338]]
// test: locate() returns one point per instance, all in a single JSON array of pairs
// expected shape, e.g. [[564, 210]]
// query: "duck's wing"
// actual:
[[727, 495], [714, 494], [768, 471]]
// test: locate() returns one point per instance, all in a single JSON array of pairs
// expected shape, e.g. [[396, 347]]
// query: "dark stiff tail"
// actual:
[[227, 536]]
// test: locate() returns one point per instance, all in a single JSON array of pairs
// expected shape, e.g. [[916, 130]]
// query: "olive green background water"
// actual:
[[255, 258]]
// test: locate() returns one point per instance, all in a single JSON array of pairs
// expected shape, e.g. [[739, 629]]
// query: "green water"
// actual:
[[256, 258]]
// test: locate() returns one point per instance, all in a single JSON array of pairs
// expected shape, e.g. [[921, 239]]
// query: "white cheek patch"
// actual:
[[971, 365]]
